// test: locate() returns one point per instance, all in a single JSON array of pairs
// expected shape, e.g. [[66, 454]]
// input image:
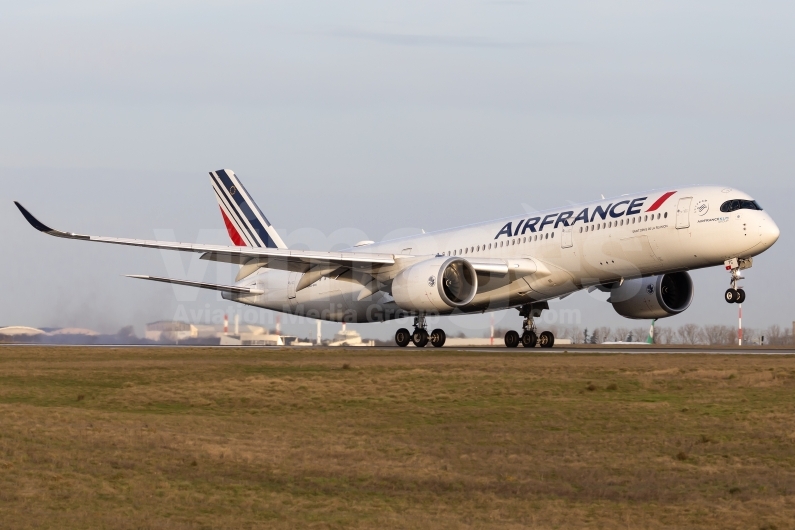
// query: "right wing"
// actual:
[[202, 285]]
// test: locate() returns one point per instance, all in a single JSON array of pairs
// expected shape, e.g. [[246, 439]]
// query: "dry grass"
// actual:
[[225, 438]]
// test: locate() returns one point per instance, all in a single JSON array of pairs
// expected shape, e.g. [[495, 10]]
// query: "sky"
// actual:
[[366, 120]]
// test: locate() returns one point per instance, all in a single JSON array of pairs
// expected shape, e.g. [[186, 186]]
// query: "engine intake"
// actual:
[[653, 297], [436, 285]]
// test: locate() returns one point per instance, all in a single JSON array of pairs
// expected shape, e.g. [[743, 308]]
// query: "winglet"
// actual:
[[41, 227], [38, 225]]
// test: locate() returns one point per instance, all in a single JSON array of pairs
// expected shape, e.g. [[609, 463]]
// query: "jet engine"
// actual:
[[653, 297], [435, 285]]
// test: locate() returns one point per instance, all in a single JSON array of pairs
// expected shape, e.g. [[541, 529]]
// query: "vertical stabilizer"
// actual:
[[650, 338], [245, 222]]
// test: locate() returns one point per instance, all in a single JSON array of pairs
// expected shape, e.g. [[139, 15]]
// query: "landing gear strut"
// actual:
[[735, 294], [529, 337], [420, 337]]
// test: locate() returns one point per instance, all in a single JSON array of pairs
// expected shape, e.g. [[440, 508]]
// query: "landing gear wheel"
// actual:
[[529, 339], [731, 295], [420, 338], [512, 339], [402, 337], [546, 340], [740, 296], [438, 337]]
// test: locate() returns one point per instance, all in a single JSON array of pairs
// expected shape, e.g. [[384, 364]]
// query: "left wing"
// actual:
[[313, 264], [273, 258]]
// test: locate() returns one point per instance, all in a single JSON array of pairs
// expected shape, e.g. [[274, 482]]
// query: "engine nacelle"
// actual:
[[435, 285], [653, 297]]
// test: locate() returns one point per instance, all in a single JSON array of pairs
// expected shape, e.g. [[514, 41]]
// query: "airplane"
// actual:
[[637, 247]]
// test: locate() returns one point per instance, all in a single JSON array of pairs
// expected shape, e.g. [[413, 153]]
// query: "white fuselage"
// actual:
[[575, 247]]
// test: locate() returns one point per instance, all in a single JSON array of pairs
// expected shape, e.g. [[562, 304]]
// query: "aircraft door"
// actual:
[[683, 212], [565, 241], [292, 279]]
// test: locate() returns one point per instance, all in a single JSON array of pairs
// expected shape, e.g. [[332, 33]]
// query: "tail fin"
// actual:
[[244, 221], [650, 338]]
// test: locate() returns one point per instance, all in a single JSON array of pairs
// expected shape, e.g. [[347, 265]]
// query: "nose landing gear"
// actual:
[[734, 294], [529, 337]]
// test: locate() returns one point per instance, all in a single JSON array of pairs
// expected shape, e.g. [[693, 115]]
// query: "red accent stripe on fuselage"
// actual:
[[236, 239], [659, 201]]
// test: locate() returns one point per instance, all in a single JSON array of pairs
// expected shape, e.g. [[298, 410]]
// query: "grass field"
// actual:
[[246, 438]]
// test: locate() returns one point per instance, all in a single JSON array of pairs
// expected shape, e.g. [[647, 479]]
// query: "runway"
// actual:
[[564, 349], [673, 349]]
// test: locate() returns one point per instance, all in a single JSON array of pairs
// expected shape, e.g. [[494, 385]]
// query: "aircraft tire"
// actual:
[[419, 337], [547, 339], [402, 337], [740, 296], [529, 339], [438, 337], [731, 296], [512, 339]]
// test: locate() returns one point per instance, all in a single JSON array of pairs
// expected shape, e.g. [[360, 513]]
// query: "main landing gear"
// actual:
[[529, 337], [420, 337], [734, 294]]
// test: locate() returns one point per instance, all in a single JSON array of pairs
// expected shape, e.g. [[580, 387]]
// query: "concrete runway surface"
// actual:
[[562, 349]]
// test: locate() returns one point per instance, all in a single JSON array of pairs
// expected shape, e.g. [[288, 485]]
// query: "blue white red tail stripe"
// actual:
[[235, 219], [244, 220]]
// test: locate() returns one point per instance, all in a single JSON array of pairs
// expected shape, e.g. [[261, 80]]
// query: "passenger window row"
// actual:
[[587, 228], [629, 221], [507, 243]]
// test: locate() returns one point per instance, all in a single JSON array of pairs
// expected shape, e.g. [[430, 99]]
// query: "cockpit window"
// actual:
[[739, 204]]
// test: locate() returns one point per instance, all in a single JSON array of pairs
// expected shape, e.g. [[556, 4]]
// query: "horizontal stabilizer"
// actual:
[[200, 285]]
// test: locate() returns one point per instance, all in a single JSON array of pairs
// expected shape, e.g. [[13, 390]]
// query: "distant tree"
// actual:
[[575, 333], [690, 334], [600, 335], [127, 332], [773, 335], [640, 333], [716, 335], [663, 335], [750, 336], [499, 333], [585, 336]]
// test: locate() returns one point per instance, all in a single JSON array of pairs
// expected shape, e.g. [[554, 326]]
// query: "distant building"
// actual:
[[291, 340], [170, 331], [73, 332], [349, 337], [209, 331], [251, 339], [21, 331]]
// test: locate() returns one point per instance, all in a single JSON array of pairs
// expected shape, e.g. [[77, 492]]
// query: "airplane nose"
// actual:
[[770, 232]]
